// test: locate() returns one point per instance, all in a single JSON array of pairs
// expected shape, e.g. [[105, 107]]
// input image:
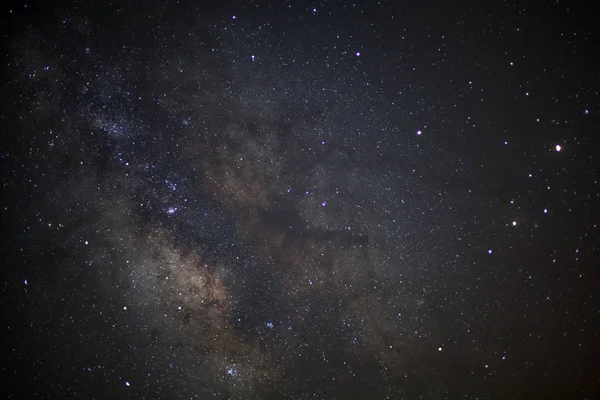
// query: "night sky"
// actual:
[[300, 200]]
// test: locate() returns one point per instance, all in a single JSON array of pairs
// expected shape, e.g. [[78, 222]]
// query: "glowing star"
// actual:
[[490, 251], [419, 132], [514, 223], [357, 54], [558, 147], [127, 384], [171, 210]]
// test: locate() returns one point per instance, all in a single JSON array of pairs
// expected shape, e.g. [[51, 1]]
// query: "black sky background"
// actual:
[[303, 200]]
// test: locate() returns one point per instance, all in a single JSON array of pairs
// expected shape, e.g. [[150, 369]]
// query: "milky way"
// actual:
[[303, 201]]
